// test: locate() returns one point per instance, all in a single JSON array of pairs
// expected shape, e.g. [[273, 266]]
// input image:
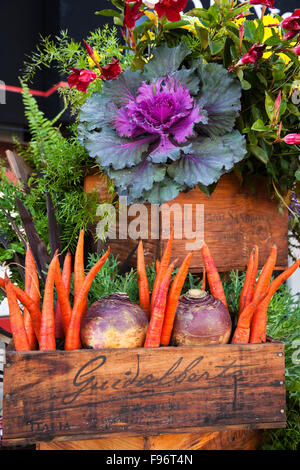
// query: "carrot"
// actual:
[[259, 322], [157, 314], [62, 298], [31, 306], [73, 332], [266, 273], [163, 266], [157, 264], [21, 342], [47, 331], [250, 290], [144, 295], [213, 277], [31, 288], [66, 277], [172, 300], [242, 331], [79, 275], [247, 282], [204, 279]]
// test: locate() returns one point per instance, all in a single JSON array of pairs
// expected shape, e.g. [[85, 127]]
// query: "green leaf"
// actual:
[[260, 32], [202, 33], [250, 30], [297, 175], [208, 190], [273, 41], [262, 79], [176, 24], [259, 153], [269, 105], [108, 12], [259, 126], [245, 85], [217, 45]]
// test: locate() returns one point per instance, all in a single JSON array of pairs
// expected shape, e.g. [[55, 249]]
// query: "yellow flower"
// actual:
[[267, 20], [193, 20], [98, 58], [153, 16]]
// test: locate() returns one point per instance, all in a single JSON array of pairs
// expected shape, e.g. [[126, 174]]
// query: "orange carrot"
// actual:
[[63, 298], [242, 331], [31, 306], [144, 295], [30, 289], [73, 333], [247, 282], [259, 322], [157, 314], [157, 264], [66, 277], [204, 279], [172, 300], [21, 342], [266, 273], [47, 331], [250, 290], [79, 274], [213, 277], [164, 263]]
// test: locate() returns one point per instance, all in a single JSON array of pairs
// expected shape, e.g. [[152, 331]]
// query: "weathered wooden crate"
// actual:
[[234, 220], [138, 394]]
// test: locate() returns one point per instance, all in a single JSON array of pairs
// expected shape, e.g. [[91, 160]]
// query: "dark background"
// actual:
[[22, 22]]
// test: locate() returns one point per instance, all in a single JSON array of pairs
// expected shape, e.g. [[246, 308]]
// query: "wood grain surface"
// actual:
[[235, 218], [119, 393]]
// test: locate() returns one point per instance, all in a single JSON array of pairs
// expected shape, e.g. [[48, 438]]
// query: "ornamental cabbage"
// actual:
[[166, 129]]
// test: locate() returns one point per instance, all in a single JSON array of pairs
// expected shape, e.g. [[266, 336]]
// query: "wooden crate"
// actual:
[[143, 395], [235, 219]]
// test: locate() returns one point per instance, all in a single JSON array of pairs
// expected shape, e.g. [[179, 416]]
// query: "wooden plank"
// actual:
[[225, 440], [18, 166], [144, 391], [235, 219]]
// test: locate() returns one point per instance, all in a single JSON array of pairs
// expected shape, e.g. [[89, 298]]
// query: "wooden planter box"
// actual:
[[235, 219], [136, 394]]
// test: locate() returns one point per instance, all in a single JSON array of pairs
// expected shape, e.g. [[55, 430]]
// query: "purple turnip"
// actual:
[[114, 322], [200, 319]]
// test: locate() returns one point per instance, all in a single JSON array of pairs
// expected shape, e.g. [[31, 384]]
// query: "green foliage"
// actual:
[[62, 52], [59, 166]]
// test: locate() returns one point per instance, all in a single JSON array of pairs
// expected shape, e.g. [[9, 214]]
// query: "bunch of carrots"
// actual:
[[162, 304], [256, 293], [255, 296], [38, 328]]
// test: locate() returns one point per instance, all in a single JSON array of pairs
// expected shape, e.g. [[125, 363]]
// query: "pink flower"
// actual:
[[296, 50], [253, 55], [81, 78], [265, 3], [111, 71], [170, 8], [292, 25], [131, 14], [292, 139]]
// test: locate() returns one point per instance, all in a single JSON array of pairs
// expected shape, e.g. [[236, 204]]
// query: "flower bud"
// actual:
[[292, 139]]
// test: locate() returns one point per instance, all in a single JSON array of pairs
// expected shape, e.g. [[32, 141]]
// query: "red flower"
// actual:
[[111, 71], [81, 78], [131, 14], [265, 3], [170, 9], [292, 25], [292, 139], [253, 55], [296, 50]]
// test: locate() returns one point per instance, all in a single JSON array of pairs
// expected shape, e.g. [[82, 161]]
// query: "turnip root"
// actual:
[[114, 322], [200, 319]]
